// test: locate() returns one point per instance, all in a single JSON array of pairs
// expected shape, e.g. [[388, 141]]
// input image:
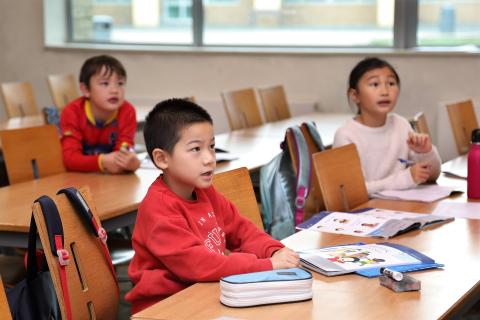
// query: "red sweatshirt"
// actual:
[[83, 138], [179, 242]]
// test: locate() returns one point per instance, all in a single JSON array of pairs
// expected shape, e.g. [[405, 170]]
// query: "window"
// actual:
[[300, 23], [133, 21], [448, 23], [178, 11], [265, 23]]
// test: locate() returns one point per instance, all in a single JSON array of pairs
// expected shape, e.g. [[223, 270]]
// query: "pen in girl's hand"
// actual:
[[406, 162]]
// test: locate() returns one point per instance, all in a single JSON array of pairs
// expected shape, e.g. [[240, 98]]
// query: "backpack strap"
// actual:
[[82, 208], [56, 240], [312, 129], [303, 172]]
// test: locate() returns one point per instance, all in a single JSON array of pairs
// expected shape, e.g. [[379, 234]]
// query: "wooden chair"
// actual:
[[419, 123], [274, 101], [340, 177], [91, 286], [314, 202], [18, 99], [31, 153], [63, 89], [237, 187], [4, 308], [463, 120], [241, 108], [191, 99]]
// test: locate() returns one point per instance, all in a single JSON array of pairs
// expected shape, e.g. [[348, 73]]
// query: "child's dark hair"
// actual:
[[367, 64], [95, 64], [164, 123]]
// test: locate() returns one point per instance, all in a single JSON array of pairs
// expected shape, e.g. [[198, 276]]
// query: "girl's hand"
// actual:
[[419, 142], [420, 172], [285, 258]]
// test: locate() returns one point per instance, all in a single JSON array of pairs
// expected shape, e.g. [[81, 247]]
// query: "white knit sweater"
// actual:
[[380, 148]]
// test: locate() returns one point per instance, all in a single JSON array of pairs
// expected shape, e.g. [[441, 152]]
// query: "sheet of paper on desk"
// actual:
[[422, 193], [224, 155], [468, 210]]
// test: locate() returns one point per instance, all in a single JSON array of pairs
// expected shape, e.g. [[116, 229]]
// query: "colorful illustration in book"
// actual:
[[357, 256]]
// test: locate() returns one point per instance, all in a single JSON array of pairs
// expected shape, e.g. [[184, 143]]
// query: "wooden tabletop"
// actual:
[[444, 292], [23, 122], [258, 145], [114, 195]]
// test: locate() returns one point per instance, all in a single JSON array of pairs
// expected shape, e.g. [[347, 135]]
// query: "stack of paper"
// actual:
[[422, 193]]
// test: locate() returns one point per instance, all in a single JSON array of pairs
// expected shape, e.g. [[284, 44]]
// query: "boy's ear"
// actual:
[[160, 158], [85, 90]]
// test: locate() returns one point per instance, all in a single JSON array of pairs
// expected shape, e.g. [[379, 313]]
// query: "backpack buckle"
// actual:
[[102, 234], [63, 257], [300, 199], [299, 202]]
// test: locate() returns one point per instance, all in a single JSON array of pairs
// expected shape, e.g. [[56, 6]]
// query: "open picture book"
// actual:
[[370, 222], [365, 259]]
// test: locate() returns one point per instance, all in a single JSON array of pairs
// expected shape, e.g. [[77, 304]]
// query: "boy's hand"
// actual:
[[285, 258], [109, 163], [420, 172], [127, 160], [419, 142]]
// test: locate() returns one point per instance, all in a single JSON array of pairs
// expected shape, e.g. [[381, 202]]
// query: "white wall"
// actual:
[[309, 79]]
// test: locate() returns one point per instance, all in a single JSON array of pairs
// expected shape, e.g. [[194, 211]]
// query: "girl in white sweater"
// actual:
[[384, 140]]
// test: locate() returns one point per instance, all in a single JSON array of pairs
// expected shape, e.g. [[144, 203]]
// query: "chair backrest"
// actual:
[[241, 108], [63, 89], [340, 177], [419, 123], [18, 99], [191, 99], [314, 202], [274, 101], [237, 187], [4, 308], [91, 287], [463, 120], [31, 153]]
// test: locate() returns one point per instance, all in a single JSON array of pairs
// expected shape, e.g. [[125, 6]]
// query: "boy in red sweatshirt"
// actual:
[[183, 224], [98, 128]]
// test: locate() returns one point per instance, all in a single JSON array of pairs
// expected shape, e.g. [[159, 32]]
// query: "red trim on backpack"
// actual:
[[63, 259]]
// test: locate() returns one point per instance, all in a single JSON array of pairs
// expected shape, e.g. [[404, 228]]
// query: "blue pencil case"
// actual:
[[266, 287]]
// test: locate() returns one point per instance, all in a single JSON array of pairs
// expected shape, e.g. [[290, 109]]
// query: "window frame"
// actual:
[[405, 30]]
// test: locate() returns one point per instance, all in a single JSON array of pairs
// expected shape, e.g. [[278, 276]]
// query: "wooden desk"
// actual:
[[116, 198], [445, 292]]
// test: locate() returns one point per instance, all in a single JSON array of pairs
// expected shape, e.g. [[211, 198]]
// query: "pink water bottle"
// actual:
[[473, 175]]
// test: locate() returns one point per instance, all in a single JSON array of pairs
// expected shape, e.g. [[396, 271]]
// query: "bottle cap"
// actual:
[[476, 135]]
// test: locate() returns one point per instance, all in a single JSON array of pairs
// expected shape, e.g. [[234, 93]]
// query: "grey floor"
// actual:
[[123, 307]]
